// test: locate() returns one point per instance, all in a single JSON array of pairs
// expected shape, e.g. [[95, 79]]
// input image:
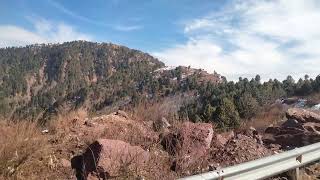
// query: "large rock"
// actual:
[[303, 115], [301, 128], [105, 158], [113, 126], [290, 137], [188, 143], [287, 137]]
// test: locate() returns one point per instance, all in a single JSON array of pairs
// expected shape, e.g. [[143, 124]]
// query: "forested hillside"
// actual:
[[40, 80]]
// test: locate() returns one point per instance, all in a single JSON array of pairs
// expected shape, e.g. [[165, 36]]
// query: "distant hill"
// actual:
[[39, 80]]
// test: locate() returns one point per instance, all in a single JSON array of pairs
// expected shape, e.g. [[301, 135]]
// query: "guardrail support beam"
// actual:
[[294, 174]]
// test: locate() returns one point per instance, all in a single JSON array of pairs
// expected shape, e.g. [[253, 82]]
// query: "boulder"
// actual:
[[301, 128], [290, 137], [285, 136], [106, 157], [302, 115], [188, 143]]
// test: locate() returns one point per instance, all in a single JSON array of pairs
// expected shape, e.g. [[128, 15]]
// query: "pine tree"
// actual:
[[247, 106], [227, 115]]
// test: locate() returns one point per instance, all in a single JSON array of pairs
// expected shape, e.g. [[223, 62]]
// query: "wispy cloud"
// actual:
[[271, 38], [45, 31], [128, 28], [92, 21], [75, 15]]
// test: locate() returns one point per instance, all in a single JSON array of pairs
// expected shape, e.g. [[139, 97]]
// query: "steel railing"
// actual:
[[265, 167]]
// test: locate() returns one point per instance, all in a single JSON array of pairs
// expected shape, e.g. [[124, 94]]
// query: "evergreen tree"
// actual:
[[289, 85], [247, 106], [226, 115], [208, 112]]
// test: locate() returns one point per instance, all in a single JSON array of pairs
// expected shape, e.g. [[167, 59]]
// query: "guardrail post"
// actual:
[[294, 174]]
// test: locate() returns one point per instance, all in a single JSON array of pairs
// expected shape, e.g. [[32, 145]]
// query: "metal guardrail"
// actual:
[[265, 167]]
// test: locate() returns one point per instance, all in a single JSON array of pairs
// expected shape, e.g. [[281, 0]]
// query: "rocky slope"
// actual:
[[187, 148], [122, 146]]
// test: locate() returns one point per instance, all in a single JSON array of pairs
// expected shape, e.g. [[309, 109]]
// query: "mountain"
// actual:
[[40, 80]]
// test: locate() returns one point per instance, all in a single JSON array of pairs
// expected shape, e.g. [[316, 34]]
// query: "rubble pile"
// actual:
[[242, 147]]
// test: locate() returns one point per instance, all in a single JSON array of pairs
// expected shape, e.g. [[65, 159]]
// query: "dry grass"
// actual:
[[269, 115], [314, 98], [64, 121], [26, 153], [19, 140], [153, 112], [149, 112]]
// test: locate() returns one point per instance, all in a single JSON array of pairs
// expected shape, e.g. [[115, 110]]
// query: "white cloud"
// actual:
[[267, 37], [128, 28], [199, 24], [44, 32], [16, 36]]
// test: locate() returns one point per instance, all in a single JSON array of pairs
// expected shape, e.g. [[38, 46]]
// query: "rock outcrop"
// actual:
[[303, 115], [105, 158], [115, 126], [301, 128]]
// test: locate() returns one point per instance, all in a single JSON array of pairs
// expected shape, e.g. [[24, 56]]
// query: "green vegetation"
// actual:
[[39, 80], [228, 102]]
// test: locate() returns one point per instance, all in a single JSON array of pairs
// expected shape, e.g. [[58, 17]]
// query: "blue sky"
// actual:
[[142, 24], [273, 38]]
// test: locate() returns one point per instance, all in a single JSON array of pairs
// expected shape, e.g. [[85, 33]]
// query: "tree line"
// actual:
[[229, 103]]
